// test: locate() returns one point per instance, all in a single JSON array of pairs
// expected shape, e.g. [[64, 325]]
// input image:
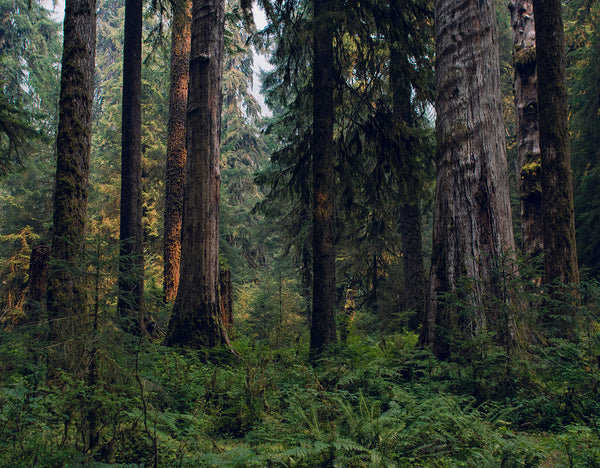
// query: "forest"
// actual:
[[300, 233]]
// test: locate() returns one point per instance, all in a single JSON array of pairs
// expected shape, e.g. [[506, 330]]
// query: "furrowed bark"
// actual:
[[196, 320], [176, 149], [560, 253], [65, 296], [528, 137], [472, 220]]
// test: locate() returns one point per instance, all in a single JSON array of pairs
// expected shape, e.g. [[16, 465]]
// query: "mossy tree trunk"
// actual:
[[472, 227], [131, 254], [323, 330], [176, 150], [65, 297], [560, 254], [528, 137], [196, 319]]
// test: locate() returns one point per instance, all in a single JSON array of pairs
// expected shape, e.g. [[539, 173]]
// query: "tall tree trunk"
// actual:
[[322, 330], [65, 298], [176, 150], [131, 255], [410, 212], [196, 319], [472, 221], [560, 254], [528, 137]]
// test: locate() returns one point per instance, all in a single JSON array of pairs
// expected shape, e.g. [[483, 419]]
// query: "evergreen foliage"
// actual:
[[30, 48], [584, 46], [374, 400], [381, 161], [29, 58]]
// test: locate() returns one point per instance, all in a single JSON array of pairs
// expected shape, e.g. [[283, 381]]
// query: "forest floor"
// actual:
[[370, 403]]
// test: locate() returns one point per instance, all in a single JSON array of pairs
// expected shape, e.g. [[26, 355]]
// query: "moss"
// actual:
[[530, 176], [532, 167], [524, 58]]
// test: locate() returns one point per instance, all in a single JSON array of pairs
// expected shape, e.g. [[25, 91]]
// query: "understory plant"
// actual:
[[375, 401]]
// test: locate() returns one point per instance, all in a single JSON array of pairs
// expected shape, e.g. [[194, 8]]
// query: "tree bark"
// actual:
[[196, 319], [322, 330], [528, 137], [472, 220], [131, 255], [65, 298], [176, 150], [560, 254]]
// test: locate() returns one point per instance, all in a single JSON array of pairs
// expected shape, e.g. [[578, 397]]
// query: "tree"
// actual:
[[410, 210], [73, 146], [560, 254], [196, 319], [287, 179], [15, 133], [131, 254], [322, 330], [472, 228], [245, 237], [528, 137], [30, 48], [105, 178], [585, 101], [378, 160], [176, 150]]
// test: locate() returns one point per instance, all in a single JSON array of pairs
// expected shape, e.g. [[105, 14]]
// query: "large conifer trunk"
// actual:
[[176, 150], [73, 148], [323, 331], [131, 256], [560, 254], [472, 220], [196, 319], [528, 137]]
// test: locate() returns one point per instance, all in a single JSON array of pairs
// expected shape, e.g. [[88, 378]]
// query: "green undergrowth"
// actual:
[[372, 403], [377, 401]]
